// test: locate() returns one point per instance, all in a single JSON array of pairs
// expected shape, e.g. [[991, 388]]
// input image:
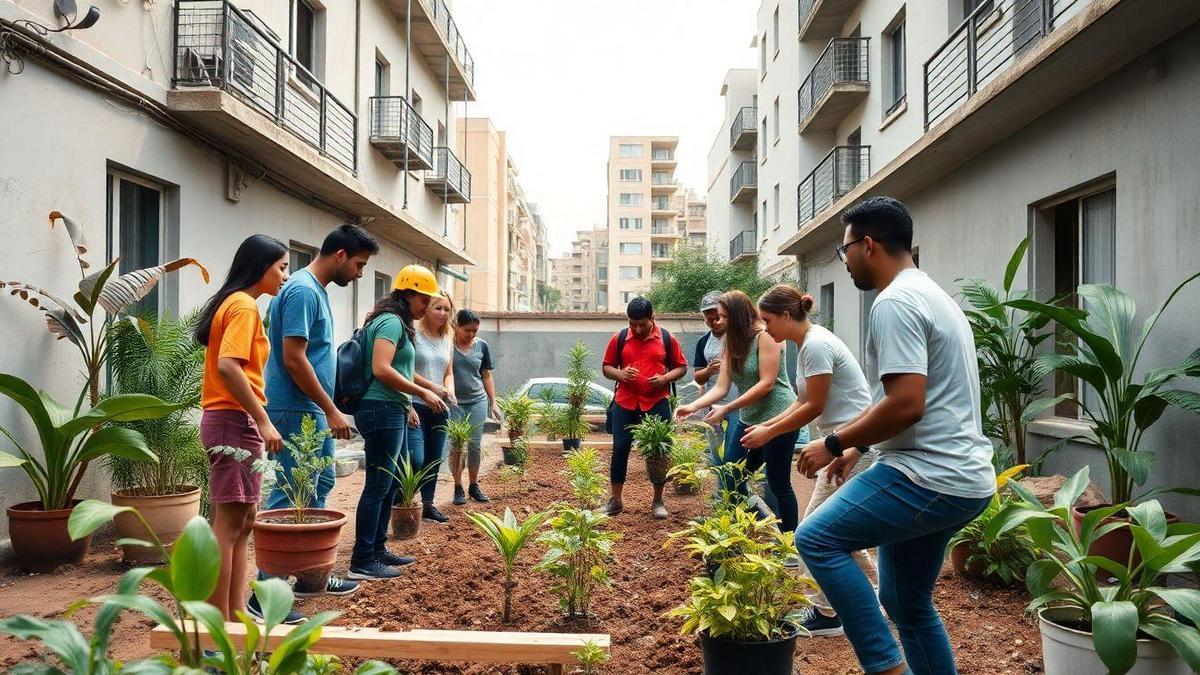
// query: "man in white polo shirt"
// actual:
[[934, 472]]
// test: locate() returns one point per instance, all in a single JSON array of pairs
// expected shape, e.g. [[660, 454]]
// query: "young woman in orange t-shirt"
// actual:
[[235, 428]]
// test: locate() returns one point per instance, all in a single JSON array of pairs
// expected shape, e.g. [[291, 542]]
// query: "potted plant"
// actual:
[[1003, 559], [190, 576], [458, 437], [299, 541], [726, 535], [577, 552], [572, 427], [1120, 406], [746, 614], [653, 439], [159, 357], [516, 454], [687, 458], [583, 472], [509, 537], [1128, 625], [517, 410], [69, 440], [406, 512]]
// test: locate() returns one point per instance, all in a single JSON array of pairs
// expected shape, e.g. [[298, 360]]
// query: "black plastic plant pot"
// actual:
[[510, 456], [766, 657], [570, 444]]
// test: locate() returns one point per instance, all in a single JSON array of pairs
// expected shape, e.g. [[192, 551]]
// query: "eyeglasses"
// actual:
[[841, 250]]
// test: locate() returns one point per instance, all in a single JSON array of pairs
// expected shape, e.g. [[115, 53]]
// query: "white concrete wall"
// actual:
[[725, 219]]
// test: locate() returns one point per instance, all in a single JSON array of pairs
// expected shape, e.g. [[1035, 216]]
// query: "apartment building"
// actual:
[[502, 230], [642, 212], [1071, 122], [176, 129], [581, 275], [692, 221], [733, 171]]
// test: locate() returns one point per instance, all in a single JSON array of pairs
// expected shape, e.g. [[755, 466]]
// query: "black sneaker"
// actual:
[[430, 514], [818, 625], [477, 494], [253, 609], [389, 558], [335, 586], [460, 497], [376, 570]]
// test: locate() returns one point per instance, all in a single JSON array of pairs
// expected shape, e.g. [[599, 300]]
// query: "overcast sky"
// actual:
[[561, 76]]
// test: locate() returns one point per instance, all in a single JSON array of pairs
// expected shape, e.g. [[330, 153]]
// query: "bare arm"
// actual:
[[231, 373], [797, 415], [448, 377], [716, 393], [382, 353], [703, 375], [295, 360], [769, 354]]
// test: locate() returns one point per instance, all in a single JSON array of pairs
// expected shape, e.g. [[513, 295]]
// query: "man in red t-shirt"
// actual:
[[644, 371]]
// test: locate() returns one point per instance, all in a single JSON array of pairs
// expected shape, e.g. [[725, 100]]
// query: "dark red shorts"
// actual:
[[233, 443]]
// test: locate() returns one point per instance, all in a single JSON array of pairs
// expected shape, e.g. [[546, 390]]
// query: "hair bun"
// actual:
[[807, 302]]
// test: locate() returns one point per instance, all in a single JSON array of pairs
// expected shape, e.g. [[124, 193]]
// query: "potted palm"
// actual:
[[1120, 406], [517, 410], [69, 440], [687, 459], [746, 613], [1003, 559], [406, 512], [508, 536], [458, 437], [573, 427], [159, 357], [1129, 625], [653, 439], [299, 540]]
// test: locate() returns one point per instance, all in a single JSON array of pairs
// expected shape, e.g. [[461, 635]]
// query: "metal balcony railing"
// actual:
[[219, 45], [399, 132], [743, 180], [745, 243], [660, 204], [662, 155], [445, 23], [449, 179], [744, 130], [983, 46], [661, 229], [844, 61], [838, 173], [662, 179]]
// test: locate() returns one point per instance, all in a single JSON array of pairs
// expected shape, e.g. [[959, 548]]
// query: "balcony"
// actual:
[[743, 133], [220, 47], [823, 19], [662, 158], [837, 83], [449, 179], [436, 38], [399, 133], [661, 206], [743, 184], [663, 183], [743, 246], [660, 253], [837, 174], [664, 231]]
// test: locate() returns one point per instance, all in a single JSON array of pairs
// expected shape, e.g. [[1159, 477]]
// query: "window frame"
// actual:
[[115, 243], [621, 272], [635, 222], [636, 199], [623, 245], [897, 55], [621, 148], [622, 179]]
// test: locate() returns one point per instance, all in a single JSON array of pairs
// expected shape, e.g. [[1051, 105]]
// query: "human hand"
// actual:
[[339, 425], [757, 436], [495, 411], [716, 415], [414, 420], [434, 401], [658, 380], [451, 398], [714, 366], [839, 469], [814, 457], [685, 411], [626, 374], [271, 437]]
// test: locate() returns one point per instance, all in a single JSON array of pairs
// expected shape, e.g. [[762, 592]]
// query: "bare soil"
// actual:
[[456, 583]]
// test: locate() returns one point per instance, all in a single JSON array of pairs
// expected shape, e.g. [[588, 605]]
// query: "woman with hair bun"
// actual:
[[832, 392]]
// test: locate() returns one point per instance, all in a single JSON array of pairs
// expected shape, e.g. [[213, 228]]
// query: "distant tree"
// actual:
[[692, 273], [549, 297]]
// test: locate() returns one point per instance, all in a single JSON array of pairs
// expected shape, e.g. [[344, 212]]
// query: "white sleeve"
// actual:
[[816, 359], [901, 338]]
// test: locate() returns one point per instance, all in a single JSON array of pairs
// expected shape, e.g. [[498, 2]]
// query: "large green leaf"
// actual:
[[1041, 405], [1186, 400], [1186, 601], [298, 641], [1071, 318], [119, 408], [275, 598], [1185, 640], [1137, 464], [195, 561], [119, 442], [1149, 514], [60, 637], [1114, 634], [1147, 410], [89, 515], [1071, 365], [210, 617], [1110, 315], [1014, 264], [24, 395], [8, 461], [91, 285], [1068, 494]]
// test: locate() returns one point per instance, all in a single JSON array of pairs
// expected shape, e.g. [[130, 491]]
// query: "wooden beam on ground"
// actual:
[[437, 645]]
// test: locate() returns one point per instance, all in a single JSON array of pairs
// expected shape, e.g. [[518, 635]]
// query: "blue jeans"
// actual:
[[622, 419], [383, 426], [777, 455], [720, 439], [427, 445], [911, 526], [288, 424]]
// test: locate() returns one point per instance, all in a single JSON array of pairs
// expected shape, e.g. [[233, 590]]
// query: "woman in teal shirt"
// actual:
[[383, 413]]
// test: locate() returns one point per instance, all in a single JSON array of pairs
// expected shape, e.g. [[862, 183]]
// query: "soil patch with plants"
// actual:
[[458, 583]]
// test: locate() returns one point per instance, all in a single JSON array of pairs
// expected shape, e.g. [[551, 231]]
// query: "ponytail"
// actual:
[[787, 301]]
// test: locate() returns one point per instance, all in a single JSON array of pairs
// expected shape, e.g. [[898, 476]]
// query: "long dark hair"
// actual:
[[251, 261], [741, 327], [396, 302], [787, 301]]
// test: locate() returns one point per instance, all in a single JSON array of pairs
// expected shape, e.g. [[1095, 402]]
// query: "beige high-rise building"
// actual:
[[693, 218], [582, 274], [642, 213], [500, 227]]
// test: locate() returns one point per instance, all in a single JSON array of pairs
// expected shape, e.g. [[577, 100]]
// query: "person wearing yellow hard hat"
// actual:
[[382, 415]]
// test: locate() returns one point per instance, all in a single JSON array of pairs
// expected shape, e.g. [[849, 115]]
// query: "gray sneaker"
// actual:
[[659, 511], [612, 508]]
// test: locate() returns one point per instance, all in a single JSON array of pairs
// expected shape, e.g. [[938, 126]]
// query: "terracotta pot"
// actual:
[[688, 489], [657, 468], [514, 434], [958, 561], [39, 538], [1116, 544], [306, 551], [406, 521], [167, 515]]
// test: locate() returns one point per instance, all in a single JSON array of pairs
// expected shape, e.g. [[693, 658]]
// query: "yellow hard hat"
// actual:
[[417, 278]]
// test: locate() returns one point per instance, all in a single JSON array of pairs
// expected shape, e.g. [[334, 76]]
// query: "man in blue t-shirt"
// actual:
[[301, 367]]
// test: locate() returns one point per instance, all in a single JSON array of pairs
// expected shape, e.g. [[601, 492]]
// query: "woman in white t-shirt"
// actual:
[[832, 392]]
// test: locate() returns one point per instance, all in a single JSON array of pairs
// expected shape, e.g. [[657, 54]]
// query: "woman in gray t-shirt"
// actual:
[[476, 394]]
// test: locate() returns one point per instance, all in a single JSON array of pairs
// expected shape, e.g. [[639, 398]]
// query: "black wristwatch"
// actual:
[[834, 445]]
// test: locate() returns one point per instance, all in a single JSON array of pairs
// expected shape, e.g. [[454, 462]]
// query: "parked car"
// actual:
[[556, 389]]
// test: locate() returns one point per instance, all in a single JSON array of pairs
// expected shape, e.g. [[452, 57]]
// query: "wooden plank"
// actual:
[[439, 645]]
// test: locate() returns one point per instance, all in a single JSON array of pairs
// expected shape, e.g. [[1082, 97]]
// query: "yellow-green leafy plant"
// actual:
[[508, 536], [688, 457], [518, 411], [458, 435], [583, 472], [578, 550], [590, 657]]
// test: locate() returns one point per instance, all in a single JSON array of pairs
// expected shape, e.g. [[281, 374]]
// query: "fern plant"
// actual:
[[578, 550], [508, 536], [517, 410]]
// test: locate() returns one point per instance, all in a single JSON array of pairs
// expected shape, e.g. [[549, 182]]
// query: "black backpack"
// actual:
[[353, 377], [621, 335]]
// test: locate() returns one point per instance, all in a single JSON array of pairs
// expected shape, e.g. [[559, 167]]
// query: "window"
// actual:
[[626, 296], [631, 223], [1077, 238], [661, 204], [631, 248], [381, 76], [304, 42], [764, 138], [866, 302], [630, 272], [299, 256], [660, 251], [660, 226], [602, 273], [775, 112], [775, 196], [631, 199], [762, 56], [631, 175], [825, 309], [775, 29], [416, 101], [894, 65], [383, 284], [629, 150], [136, 215]]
